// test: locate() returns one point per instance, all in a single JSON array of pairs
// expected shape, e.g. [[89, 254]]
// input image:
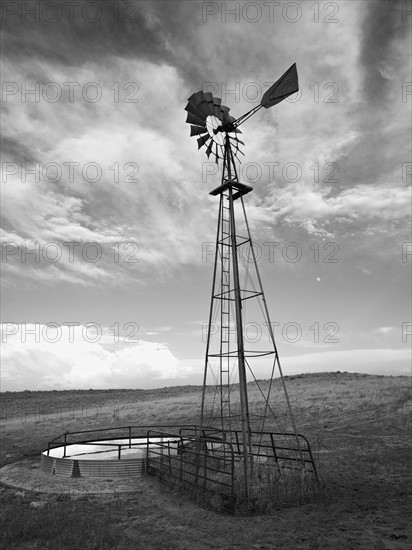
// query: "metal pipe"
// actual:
[[246, 116], [246, 443]]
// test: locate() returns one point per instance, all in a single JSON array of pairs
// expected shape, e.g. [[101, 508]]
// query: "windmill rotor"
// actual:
[[211, 122]]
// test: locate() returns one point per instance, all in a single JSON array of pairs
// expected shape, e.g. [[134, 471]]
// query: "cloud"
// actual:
[[37, 356], [151, 134], [40, 357], [384, 330], [153, 31], [382, 31], [142, 193], [151, 201], [308, 205]]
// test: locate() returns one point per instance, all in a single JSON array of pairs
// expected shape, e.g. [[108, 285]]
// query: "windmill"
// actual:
[[232, 364]]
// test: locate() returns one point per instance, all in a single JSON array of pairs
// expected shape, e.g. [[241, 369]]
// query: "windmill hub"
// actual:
[[224, 128], [213, 124]]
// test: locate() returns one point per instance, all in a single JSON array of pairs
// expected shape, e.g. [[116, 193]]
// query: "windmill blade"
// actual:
[[196, 98], [223, 113], [217, 111], [193, 119], [208, 97], [217, 153], [217, 104], [237, 150], [202, 140], [237, 139], [284, 87], [236, 157], [205, 109], [209, 148], [214, 157], [235, 147], [193, 108], [211, 107], [226, 118], [198, 130]]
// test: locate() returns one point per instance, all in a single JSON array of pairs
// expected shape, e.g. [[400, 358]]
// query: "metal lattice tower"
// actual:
[[243, 388], [230, 355]]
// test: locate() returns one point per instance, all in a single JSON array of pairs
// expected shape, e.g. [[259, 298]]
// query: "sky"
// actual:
[[108, 227]]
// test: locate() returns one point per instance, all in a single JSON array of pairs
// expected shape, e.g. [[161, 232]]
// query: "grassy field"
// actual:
[[359, 427]]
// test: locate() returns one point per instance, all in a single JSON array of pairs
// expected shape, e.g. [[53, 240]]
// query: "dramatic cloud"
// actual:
[[384, 28], [50, 357], [106, 215]]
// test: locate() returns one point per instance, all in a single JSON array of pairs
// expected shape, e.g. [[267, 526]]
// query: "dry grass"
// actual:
[[272, 489], [60, 525], [359, 429]]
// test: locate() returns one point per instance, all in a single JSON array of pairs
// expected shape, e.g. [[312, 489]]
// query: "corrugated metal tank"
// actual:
[[128, 467]]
